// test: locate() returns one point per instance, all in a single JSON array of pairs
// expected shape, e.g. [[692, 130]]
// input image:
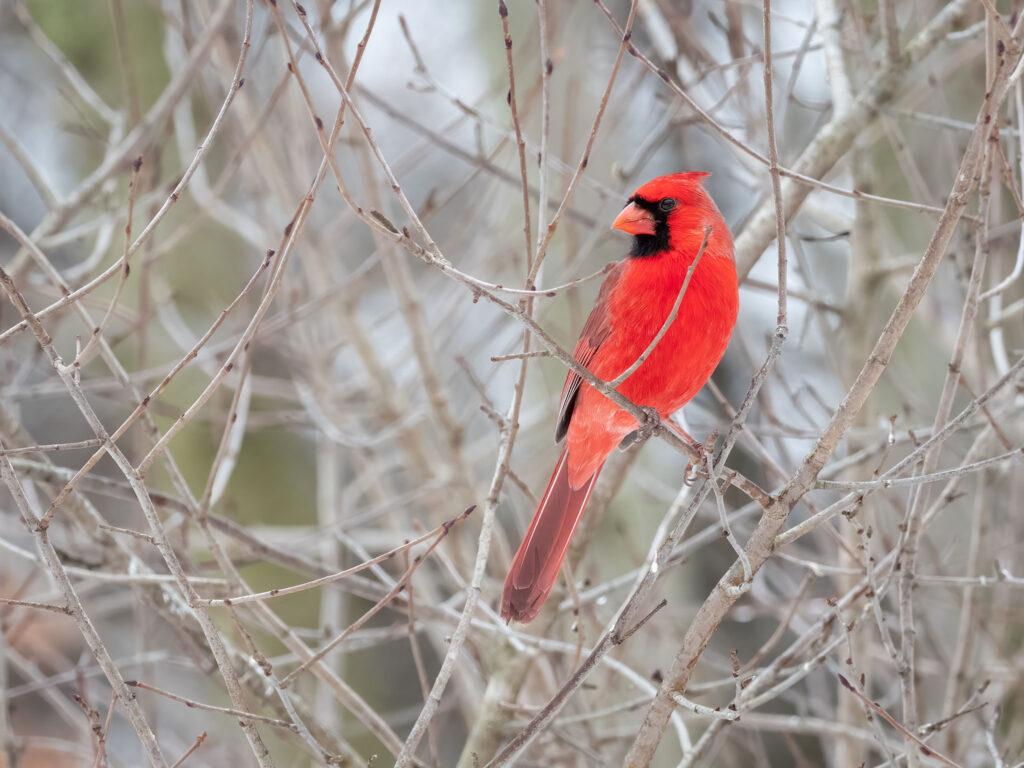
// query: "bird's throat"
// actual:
[[647, 246]]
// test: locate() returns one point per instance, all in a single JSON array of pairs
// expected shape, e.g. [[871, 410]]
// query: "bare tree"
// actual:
[[289, 293]]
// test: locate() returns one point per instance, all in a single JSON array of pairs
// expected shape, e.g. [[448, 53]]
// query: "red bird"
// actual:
[[668, 218]]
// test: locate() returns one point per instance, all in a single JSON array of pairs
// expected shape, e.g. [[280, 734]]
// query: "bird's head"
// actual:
[[671, 213]]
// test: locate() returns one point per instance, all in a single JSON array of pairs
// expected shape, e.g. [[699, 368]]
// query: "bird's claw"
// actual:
[[695, 470], [701, 467]]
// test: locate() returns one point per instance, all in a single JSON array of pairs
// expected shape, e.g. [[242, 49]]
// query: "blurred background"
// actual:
[[295, 387]]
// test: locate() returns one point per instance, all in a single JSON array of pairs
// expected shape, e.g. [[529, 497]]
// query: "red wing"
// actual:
[[597, 328]]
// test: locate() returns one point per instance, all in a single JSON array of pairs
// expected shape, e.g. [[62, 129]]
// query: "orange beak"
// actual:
[[634, 220]]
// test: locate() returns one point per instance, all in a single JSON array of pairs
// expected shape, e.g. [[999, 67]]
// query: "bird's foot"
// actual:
[[695, 468], [700, 465], [649, 425]]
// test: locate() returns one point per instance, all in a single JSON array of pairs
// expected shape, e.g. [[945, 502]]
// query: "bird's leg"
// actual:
[[683, 435], [699, 465]]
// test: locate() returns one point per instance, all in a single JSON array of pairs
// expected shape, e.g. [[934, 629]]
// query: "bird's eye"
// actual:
[[667, 204]]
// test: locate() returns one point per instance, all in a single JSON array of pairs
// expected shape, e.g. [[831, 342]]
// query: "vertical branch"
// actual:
[[890, 30], [546, 69], [919, 498], [520, 143], [865, 253], [773, 157], [585, 159]]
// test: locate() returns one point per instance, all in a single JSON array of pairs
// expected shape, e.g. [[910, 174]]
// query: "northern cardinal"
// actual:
[[668, 218]]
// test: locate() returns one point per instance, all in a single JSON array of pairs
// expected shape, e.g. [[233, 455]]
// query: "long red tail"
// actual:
[[535, 567]]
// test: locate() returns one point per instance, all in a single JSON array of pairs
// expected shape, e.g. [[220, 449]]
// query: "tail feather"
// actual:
[[535, 567]]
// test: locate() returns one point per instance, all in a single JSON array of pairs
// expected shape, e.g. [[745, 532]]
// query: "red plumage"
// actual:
[[632, 305]]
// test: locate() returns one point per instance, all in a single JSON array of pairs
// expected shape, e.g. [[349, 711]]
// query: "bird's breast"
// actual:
[[688, 352], [677, 367]]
